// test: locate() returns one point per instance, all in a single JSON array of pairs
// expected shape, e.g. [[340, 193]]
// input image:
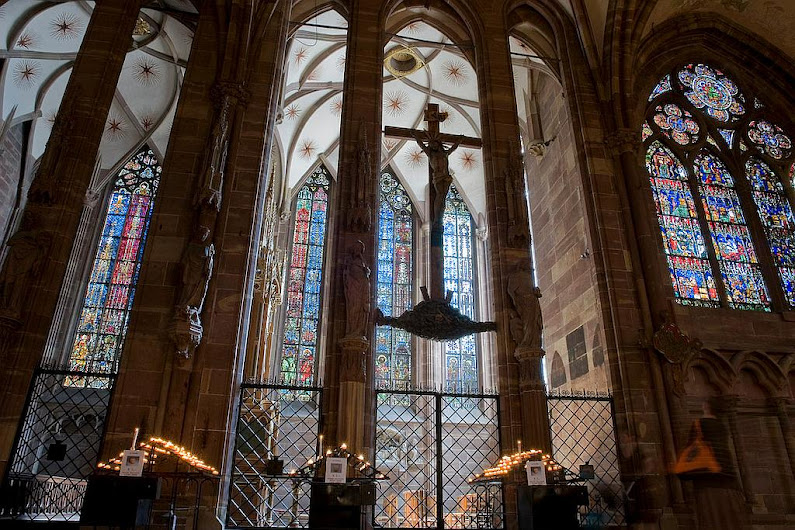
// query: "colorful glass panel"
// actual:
[[728, 136], [769, 139], [734, 248], [394, 283], [646, 131], [689, 267], [304, 281], [662, 87], [676, 124], [777, 218], [103, 320], [713, 92], [460, 358]]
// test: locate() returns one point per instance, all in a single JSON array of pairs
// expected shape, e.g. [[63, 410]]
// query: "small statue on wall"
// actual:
[[356, 279], [527, 326], [197, 268]]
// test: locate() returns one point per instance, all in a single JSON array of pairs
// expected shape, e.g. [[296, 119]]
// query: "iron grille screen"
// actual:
[[57, 445], [583, 432], [429, 444], [275, 421]]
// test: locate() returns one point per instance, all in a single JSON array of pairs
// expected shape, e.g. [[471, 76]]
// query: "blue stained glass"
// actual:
[[722, 204], [305, 281], [103, 320], [394, 284], [745, 287], [777, 218], [662, 87], [460, 355], [690, 272], [732, 242], [710, 170], [728, 136]]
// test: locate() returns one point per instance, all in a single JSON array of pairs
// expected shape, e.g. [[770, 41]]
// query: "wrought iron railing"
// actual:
[[275, 422], [429, 443], [583, 432], [57, 445]]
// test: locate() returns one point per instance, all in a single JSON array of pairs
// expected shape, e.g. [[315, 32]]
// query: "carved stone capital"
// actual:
[[352, 367], [229, 93], [780, 404], [623, 141], [530, 373], [537, 148]]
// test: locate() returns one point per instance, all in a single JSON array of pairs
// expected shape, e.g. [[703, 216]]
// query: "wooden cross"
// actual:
[[432, 142]]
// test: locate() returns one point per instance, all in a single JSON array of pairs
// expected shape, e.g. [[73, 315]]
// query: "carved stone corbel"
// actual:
[[676, 348], [622, 141]]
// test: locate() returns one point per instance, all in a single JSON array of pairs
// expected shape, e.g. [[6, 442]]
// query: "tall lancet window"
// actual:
[[717, 166], [111, 287], [460, 357], [305, 280], [394, 283]]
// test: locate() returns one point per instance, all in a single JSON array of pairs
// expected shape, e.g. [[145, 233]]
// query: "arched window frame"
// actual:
[[729, 142], [391, 383], [110, 365], [317, 362], [459, 387]]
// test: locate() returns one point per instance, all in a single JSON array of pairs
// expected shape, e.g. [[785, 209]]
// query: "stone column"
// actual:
[[52, 214], [349, 385]]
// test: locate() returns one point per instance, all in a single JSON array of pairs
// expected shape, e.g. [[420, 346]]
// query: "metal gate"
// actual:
[[275, 421], [57, 445], [583, 432], [429, 444]]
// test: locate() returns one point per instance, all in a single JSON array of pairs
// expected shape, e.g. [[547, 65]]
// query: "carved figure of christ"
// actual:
[[432, 142]]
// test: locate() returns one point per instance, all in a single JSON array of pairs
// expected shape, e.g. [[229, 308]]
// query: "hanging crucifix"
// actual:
[[434, 317]]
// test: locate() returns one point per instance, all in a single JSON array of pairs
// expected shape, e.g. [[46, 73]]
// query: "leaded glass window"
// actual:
[[394, 283], [111, 286], [460, 357], [304, 280], [702, 140]]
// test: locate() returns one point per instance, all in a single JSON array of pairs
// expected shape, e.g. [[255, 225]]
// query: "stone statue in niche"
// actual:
[[197, 268], [356, 279], [526, 327], [27, 250]]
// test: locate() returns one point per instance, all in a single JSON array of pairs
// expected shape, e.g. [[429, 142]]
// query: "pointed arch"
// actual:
[[720, 372], [104, 316], [767, 373]]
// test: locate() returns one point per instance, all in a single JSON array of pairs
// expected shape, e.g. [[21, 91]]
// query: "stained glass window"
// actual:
[[777, 218], [460, 358], [676, 123], [394, 283], [742, 276], [662, 87], [711, 249], [770, 139], [111, 286], [688, 263], [304, 281], [709, 90]]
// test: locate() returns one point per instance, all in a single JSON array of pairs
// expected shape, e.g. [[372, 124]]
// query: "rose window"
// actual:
[[769, 138], [712, 91], [676, 123]]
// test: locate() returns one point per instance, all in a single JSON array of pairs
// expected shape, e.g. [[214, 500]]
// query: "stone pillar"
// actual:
[[52, 214], [349, 384], [532, 393]]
